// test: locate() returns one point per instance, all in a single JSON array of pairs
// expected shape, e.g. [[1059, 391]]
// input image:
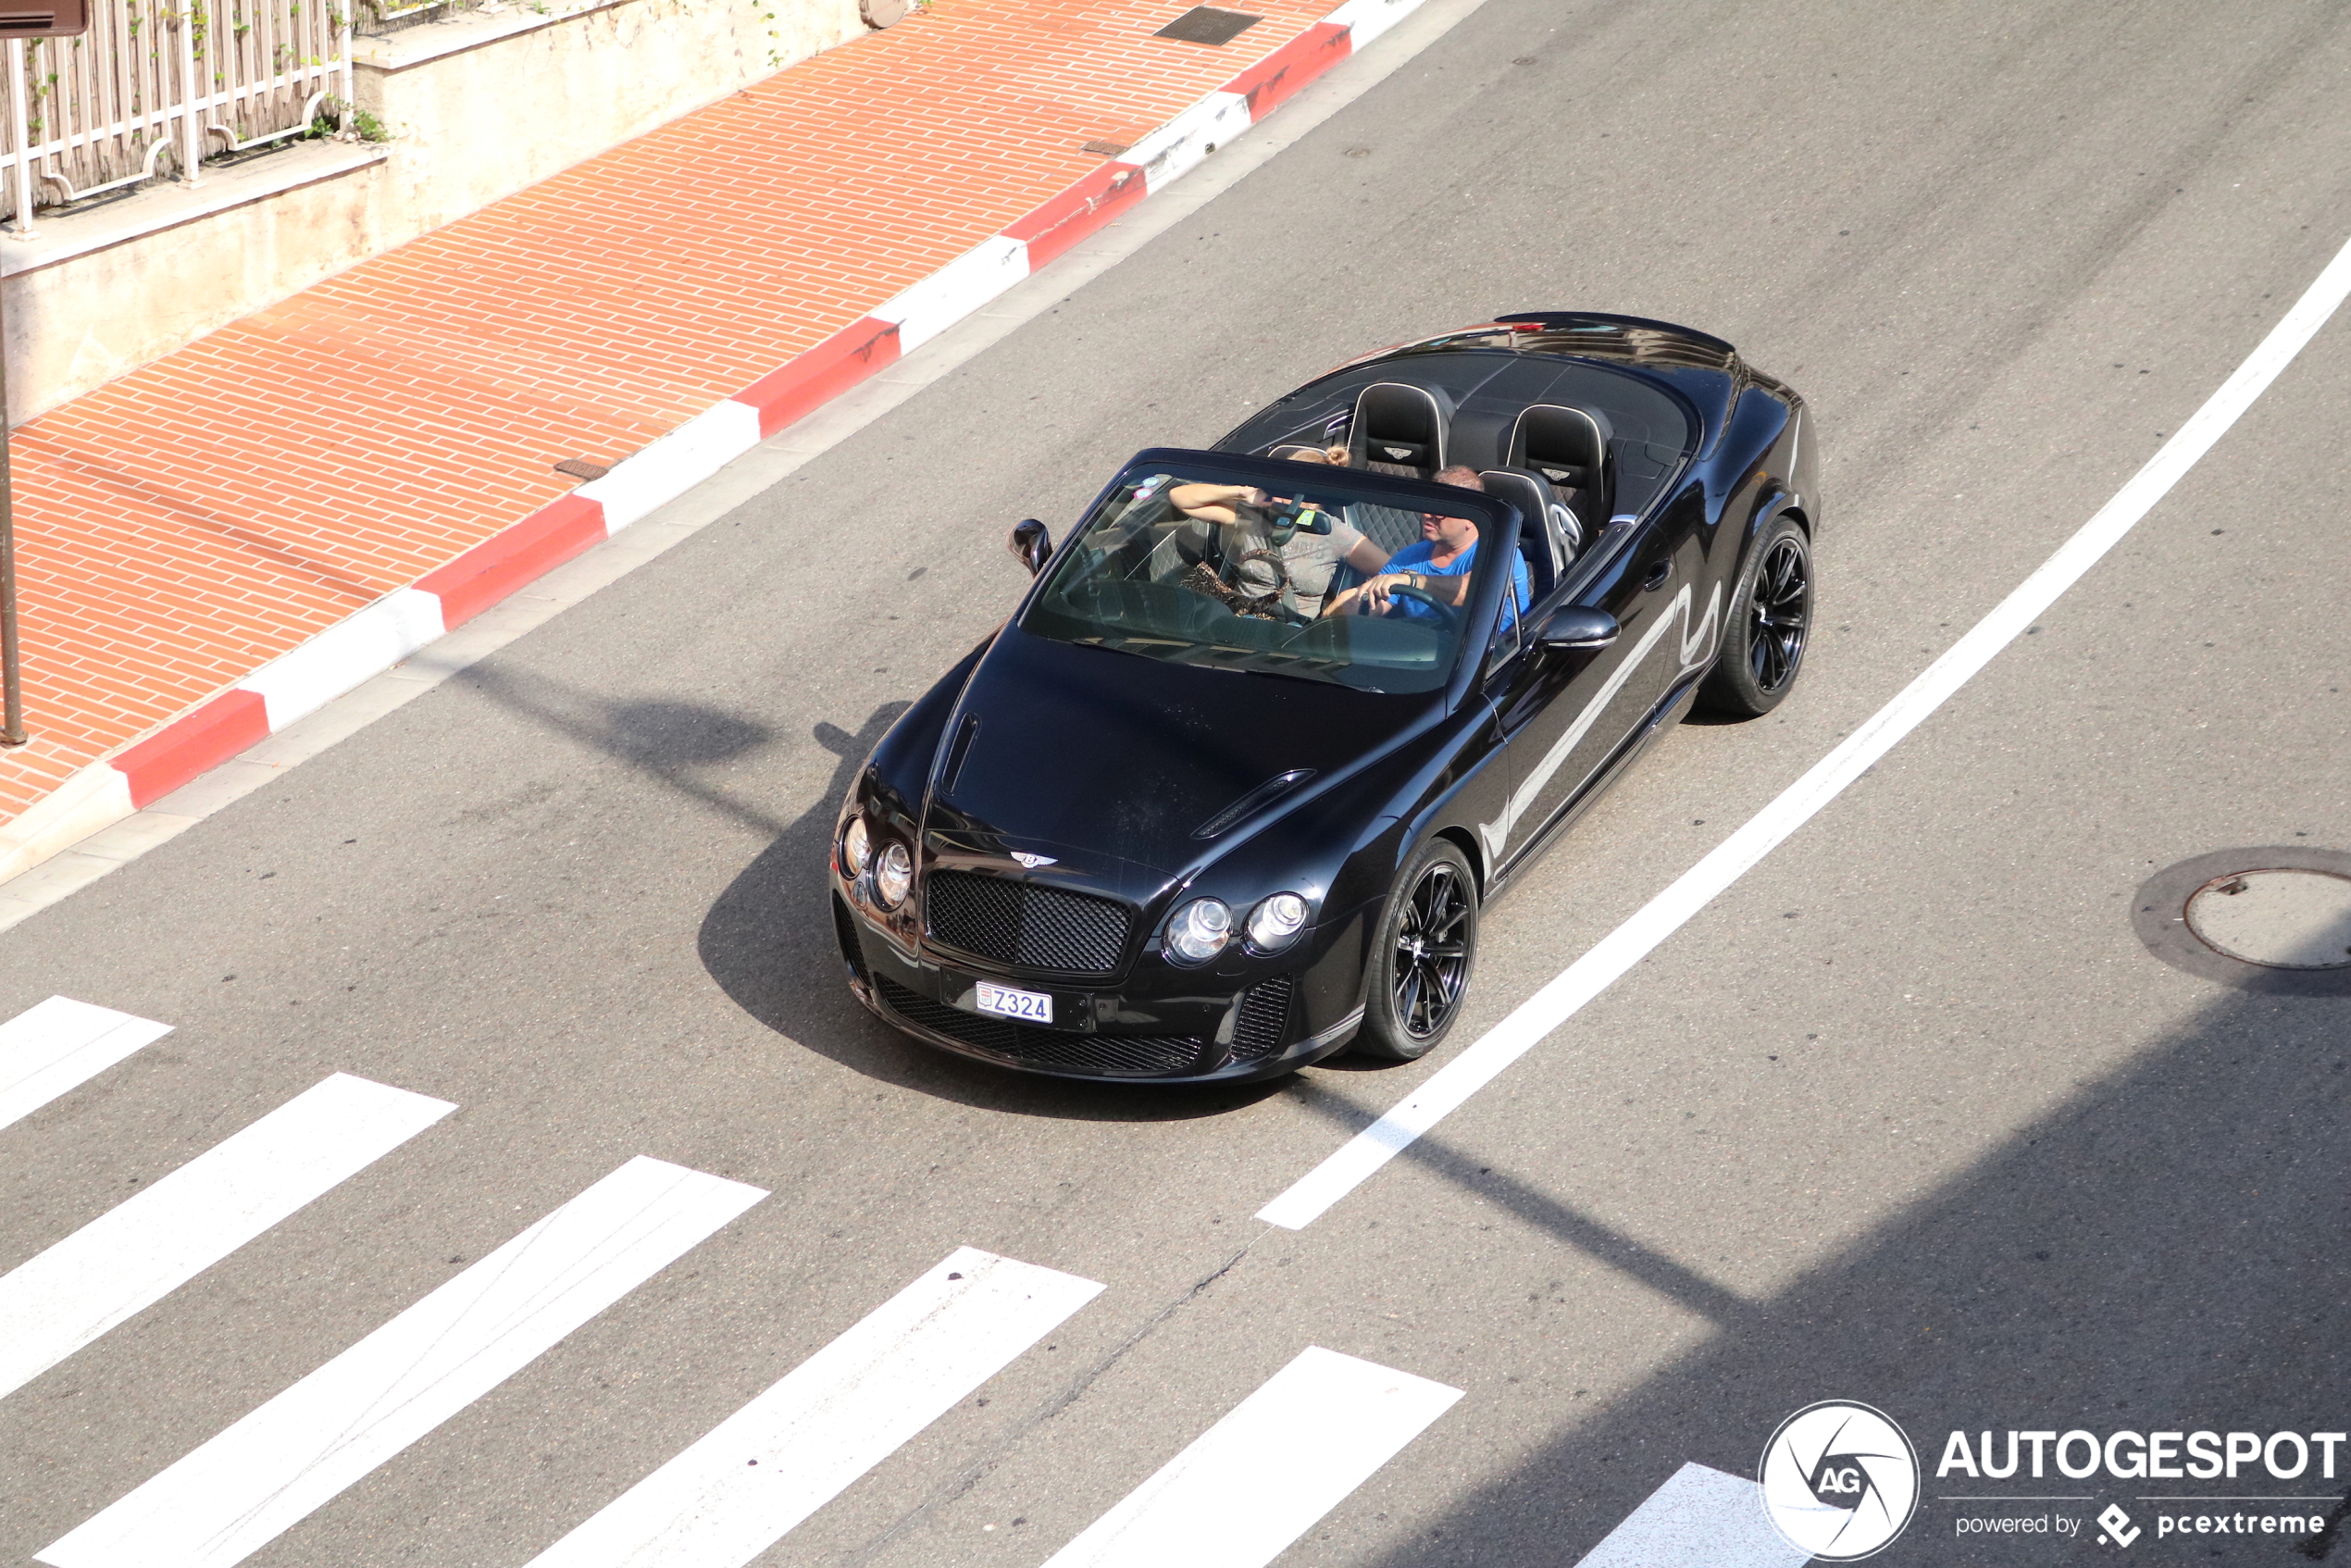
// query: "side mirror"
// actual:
[[1572, 626], [1032, 546]]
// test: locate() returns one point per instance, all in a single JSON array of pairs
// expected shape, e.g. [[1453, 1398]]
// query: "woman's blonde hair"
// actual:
[[1335, 455]]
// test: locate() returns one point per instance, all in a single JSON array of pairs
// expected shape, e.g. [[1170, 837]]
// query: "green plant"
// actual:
[[329, 119]]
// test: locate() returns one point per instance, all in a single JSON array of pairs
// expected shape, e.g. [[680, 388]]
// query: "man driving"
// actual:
[[1437, 565]]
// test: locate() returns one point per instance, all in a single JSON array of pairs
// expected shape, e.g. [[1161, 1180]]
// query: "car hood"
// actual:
[[1111, 762]]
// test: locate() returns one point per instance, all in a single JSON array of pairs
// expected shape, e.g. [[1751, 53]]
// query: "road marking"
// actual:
[[239, 1491], [1447, 1088], [763, 1470], [58, 1044], [1260, 1478], [140, 1251], [1700, 1518]]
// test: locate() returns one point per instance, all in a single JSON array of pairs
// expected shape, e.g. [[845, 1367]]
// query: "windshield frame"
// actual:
[[1497, 521]]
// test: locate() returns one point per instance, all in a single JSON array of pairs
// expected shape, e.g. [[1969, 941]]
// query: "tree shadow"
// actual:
[[768, 943], [2168, 1250]]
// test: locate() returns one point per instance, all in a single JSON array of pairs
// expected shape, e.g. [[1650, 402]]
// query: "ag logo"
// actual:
[[1839, 1480]]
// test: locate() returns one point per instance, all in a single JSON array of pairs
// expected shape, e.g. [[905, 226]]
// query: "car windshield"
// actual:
[[1232, 569]]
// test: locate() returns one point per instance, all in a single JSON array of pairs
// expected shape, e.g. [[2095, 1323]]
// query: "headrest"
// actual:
[[1397, 425], [1569, 443]]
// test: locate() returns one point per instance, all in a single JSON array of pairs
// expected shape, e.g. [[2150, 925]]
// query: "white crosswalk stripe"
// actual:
[[759, 1472], [1260, 1478], [138, 1252], [50, 1048], [1238, 1497], [1700, 1518], [240, 1490]]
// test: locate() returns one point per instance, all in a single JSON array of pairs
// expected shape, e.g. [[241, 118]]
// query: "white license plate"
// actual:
[[1034, 1007]]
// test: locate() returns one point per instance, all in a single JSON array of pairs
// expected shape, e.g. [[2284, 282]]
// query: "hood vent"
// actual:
[[965, 733], [1265, 794]]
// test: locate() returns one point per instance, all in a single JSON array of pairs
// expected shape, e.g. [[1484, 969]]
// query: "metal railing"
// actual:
[[158, 86]]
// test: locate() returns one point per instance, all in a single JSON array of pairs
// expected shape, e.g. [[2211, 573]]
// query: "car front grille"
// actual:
[[1023, 923], [1257, 1032], [1110, 1055]]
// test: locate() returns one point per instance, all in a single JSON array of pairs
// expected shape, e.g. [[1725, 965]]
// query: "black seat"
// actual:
[[1398, 429], [1550, 534], [1569, 447]]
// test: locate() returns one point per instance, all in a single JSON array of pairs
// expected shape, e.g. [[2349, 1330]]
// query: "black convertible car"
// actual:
[[1227, 794]]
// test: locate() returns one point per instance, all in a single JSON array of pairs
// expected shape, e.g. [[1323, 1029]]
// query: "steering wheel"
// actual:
[[1448, 612]]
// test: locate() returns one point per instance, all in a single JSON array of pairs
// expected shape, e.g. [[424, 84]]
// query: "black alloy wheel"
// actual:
[[1769, 626], [1427, 947]]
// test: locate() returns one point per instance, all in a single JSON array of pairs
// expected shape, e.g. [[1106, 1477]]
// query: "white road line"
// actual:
[[759, 1472], [51, 1047], [1351, 1165], [267, 1472], [140, 1251], [1700, 1518], [1260, 1478]]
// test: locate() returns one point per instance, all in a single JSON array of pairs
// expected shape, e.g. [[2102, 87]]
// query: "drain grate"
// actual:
[[1206, 24], [2275, 919]]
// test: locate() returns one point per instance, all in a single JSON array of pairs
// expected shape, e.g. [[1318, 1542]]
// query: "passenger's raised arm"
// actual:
[[1217, 504]]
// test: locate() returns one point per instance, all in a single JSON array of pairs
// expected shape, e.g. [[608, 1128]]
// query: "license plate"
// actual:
[[1033, 1007]]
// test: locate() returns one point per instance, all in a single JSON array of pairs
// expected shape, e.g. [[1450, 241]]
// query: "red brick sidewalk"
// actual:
[[184, 525]]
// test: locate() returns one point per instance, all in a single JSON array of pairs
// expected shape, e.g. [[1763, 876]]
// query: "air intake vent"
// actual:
[[845, 928], [1257, 1033], [1257, 800]]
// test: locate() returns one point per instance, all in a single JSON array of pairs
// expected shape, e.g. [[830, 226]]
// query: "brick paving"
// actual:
[[184, 525]]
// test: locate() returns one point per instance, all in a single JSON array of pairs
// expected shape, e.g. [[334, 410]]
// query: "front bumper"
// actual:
[[1225, 1023]]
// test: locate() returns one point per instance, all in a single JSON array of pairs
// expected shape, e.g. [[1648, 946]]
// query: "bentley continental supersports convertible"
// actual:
[[1277, 720]]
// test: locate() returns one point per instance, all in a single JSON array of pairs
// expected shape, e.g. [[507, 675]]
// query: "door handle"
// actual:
[[1658, 574]]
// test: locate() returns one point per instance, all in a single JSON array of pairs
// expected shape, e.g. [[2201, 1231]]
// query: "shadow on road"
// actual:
[[769, 939], [768, 943], [2171, 1251]]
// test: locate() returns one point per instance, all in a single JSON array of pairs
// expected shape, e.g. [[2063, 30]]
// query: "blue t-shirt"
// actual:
[[1416, 557]]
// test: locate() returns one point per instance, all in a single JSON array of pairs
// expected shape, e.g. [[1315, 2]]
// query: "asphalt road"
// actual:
[[1908, 1116]]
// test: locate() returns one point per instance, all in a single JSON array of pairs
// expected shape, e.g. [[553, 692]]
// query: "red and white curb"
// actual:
[[397, 625]]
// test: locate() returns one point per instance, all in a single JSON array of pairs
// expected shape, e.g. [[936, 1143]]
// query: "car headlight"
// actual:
[[894, 874], [1199, 931], [856, 849], [1276, 922]]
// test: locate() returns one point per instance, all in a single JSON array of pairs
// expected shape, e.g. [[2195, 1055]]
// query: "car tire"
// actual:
[[1769, 627], [1417, 982]]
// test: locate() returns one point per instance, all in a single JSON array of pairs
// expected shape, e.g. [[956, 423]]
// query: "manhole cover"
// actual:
[[2275, 919], [2285, 919]]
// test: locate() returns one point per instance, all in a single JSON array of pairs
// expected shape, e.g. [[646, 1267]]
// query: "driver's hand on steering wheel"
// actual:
[[1376, 590]]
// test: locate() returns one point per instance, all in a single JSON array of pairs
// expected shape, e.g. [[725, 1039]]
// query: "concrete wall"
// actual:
[[484, 106], [479, 107]]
